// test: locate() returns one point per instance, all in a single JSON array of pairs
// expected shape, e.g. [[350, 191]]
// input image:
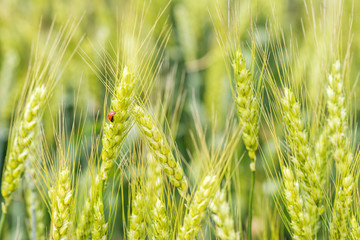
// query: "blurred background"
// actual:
[[193, 57]]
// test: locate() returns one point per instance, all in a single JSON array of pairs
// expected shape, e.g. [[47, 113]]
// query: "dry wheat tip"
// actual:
[[61, 195], [197, 209], [246, 105], [19, 149], [222, 217], [160, 149]]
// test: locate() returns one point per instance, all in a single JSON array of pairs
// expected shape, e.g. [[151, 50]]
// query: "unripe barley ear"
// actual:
[[160, 149], [222, 217], [246, 105], [19, 149], [197, 209]]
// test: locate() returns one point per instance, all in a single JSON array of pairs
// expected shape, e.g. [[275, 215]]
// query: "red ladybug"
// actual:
[[111, 116]]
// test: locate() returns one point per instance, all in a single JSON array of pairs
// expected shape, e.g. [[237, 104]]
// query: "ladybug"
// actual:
[[111, 116]]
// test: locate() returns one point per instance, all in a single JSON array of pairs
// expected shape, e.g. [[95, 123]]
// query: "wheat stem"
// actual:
[[2, 220], [251, 203]]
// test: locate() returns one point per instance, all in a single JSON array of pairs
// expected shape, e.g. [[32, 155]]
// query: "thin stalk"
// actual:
[[251, 200], [2, 221]]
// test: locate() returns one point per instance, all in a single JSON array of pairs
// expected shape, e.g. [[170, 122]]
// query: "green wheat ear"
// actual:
[[337, 126], [114, 135], [35, 207], [137, 218], [305, 167], [20, 148], [157, 218], [294, 205], [222, 217], [246, 105], [355, 228], [61, 195], [338, 120], [99, 226], [160, 149], [197, 209]]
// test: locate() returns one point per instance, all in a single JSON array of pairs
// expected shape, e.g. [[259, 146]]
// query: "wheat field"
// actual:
[[179, 119]]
